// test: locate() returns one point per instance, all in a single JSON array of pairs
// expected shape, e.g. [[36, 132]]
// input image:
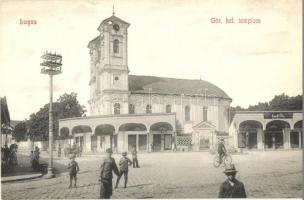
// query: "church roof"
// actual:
[[173, 86], [94, 41], [114, 18]]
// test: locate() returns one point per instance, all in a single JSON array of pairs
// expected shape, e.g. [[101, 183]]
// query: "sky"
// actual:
[[167, 38]]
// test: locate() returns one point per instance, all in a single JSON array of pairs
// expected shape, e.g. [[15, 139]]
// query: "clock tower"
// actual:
[[109, 68]]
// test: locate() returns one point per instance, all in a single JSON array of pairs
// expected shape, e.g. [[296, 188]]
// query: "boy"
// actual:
[[124, 168], [74, 168], [134, 157]]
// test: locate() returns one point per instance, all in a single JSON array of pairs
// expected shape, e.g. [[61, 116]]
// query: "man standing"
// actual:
[[232, 188], [134, 157], [108, 165]]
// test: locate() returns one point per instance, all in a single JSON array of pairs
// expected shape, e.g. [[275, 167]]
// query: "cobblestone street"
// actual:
[[269, 174]]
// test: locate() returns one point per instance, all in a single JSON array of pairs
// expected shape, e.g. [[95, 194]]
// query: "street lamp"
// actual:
[[51, 65]]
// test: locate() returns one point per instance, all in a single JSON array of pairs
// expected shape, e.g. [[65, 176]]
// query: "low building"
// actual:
[[267, 129]]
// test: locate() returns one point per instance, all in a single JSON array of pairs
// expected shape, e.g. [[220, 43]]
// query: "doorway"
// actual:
[[157, 142], [142, 142], [94, 143], [294, 139], [131, 142], [168, 142]]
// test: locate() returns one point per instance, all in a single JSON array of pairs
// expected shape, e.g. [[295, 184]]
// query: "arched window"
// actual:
[[116, 46], [148, 108], [131, 108], [187, 113], [205, 113], [168, 108], [116, 109]]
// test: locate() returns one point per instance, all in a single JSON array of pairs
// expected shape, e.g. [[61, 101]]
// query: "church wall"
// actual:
[[215, 113], [106, 47]]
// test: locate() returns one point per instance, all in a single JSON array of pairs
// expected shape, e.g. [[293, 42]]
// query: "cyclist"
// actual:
[[221, 149]]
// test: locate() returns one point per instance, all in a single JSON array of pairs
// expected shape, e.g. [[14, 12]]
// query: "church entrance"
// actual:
[[204, 143]]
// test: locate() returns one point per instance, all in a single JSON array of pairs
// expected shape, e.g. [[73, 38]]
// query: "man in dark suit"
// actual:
[[232, 188], [108, 165]]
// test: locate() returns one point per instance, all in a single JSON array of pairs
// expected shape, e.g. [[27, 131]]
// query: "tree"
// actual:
[[260, 106], [233, 110], [20, 131], [284, 102], [67, 106]]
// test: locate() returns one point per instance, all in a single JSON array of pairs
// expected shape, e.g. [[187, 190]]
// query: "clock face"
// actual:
[[116, 27]]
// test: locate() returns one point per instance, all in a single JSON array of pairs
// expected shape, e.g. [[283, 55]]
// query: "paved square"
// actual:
[[269, 174]]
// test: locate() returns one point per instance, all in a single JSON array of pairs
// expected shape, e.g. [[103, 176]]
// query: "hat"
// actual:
[[124, 153], [109, 150], [230, 169]]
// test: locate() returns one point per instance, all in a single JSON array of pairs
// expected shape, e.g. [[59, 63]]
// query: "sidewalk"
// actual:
[[20, 177]]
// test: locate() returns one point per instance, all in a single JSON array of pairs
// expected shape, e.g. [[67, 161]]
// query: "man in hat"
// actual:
[[74, 168], [124, 168], [108, 165], [221, 150], [232, 188]]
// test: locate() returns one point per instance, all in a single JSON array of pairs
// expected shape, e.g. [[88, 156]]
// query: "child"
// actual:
[[124, 168], [74, 168], [134, 157]]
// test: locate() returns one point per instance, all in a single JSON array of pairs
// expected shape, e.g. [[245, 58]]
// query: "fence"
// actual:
[[184, 142]]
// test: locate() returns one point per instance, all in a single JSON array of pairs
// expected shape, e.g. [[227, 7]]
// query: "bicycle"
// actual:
[[226, 160]]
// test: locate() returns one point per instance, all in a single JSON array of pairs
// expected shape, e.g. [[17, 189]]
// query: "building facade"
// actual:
[[267, 129], [148, 112]]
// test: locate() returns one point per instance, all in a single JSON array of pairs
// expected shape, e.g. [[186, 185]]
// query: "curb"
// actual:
[[20, 178]]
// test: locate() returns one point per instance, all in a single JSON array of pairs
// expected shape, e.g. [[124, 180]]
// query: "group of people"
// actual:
[[9, 157], [108, 166], [35, 159], [231, 188]]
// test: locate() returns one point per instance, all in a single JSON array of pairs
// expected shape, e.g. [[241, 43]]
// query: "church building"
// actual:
[[146, 112]]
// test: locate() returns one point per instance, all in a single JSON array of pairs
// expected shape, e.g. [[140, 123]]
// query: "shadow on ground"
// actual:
[[24, 167]]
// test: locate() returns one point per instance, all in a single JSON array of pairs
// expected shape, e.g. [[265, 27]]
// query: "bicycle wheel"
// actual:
[[227, 160], [216, 161]]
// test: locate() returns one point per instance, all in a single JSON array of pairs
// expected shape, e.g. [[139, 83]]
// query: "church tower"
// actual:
[[109, 68]]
